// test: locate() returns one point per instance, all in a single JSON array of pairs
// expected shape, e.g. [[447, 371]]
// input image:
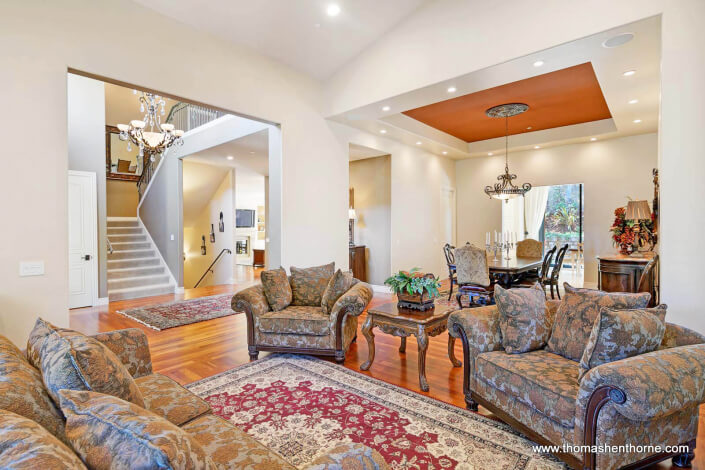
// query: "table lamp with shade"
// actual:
[[638, 211], [352, 217]]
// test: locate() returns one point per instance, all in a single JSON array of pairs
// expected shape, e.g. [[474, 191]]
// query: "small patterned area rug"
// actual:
[[300, 407], [181, 312]]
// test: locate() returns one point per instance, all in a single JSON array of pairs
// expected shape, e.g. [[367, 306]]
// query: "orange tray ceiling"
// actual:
[[561, 98]]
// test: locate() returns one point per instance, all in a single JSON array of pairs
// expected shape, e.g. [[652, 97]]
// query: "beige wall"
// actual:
[[39, 40], [121, 198], [371, 179], [610, 170]]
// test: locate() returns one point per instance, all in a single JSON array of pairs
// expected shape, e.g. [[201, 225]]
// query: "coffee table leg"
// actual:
[[370, 337], [422, 340], [451, 352], [402, 346]]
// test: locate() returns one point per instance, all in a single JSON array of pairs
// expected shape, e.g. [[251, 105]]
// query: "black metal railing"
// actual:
[[210, 268]]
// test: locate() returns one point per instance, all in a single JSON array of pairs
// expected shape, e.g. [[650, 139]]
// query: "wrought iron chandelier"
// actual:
[[505, 189], [150, 142]]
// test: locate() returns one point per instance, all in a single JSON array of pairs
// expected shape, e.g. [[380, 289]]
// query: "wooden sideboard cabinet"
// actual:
[[258, 258], [621, 273], [358, 262]]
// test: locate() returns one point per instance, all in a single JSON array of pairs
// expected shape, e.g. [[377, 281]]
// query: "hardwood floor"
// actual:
[[192, 352]]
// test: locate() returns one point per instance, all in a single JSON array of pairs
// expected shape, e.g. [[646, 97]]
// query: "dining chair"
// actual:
[[647, 280], [542, 275], [556, 272], [473, 276], [448, 251], [529, 248], [577, 259]]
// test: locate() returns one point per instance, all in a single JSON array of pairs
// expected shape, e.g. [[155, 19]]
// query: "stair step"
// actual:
[[130, 254], [123, 246], [124, 231], [123, 223], [127, 238], [139, 281], [133, 263], [135, 272], [136, 292]]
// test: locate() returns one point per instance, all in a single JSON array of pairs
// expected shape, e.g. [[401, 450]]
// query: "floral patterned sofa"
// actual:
[[27, 410], [648, 399], [303, 327]]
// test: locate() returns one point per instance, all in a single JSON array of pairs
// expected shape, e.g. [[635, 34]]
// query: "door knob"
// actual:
[[87, 257]]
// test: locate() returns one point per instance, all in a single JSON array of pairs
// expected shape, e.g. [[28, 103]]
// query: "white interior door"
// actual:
[[83, 236]]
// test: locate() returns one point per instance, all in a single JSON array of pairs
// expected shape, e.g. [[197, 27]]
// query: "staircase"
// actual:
[[134, 267]]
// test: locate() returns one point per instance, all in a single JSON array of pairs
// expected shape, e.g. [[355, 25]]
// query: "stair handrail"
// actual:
[[210, 268], [110, 245]]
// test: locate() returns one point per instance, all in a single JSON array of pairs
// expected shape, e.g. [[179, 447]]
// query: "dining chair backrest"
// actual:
[[448, 250], [546, 265], [471, 266], [646, 281], [559, 263], [529, 248]]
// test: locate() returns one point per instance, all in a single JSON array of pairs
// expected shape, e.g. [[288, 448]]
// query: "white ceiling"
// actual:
[[359, 152], [298, 33], [642, 54], [250, 153]]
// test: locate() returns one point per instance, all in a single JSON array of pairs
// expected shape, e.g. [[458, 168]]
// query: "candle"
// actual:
[[495, 236]]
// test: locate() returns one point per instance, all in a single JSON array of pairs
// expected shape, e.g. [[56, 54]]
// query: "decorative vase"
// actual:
[[421, 302], [626, 248]]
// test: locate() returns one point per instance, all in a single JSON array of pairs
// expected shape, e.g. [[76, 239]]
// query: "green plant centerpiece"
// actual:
[[414, 289]]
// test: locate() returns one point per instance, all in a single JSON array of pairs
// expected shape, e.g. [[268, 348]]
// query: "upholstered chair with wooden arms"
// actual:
[[473, 276]]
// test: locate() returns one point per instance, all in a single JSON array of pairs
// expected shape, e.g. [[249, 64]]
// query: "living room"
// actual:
[[319, 78]]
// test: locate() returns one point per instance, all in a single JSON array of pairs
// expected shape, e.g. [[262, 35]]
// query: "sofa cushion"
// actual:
[[110, 433], [577, 313], [619, 334], [523, 319], [308, 285], [546, 382], [298, 320], [276, 288], [339, 284], [74, 361], [22, 390], [166, 398], [25, 444], [230, 447]]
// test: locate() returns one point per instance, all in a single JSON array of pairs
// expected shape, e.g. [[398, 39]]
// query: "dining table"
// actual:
[[506, 271]]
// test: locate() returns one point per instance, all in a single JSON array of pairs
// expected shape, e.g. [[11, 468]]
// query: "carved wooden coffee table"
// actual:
[[404, 322]]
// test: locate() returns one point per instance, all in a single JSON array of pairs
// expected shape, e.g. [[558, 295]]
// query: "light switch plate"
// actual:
[[172, 237], [31, 268]]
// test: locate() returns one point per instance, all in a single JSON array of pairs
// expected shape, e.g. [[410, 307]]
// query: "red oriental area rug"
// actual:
[[300, 407], [181, 312]]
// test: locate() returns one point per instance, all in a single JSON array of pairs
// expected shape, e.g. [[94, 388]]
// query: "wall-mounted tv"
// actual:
[[244, 218]]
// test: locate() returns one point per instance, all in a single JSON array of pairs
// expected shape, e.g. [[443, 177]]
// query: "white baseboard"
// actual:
[[382, 289], [179, 290], [116, 219], [102, 301]]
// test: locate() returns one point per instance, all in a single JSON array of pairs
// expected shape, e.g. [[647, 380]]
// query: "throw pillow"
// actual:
[[523, 319], [619, 334], [75, 361], [110, 433], [308, 285], [276, 288], [577, 313], [339, 284], [26, 444]]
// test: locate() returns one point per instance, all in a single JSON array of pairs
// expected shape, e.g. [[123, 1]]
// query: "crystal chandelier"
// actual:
[[505, 189], [150, 142]]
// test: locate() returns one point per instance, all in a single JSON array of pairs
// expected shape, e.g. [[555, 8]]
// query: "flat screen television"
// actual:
[[244, 218]]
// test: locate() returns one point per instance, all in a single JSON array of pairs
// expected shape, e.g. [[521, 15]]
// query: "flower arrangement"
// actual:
[[629, 235], [414, 282]]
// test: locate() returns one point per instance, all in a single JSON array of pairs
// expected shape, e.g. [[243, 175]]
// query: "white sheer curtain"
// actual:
[[535, 210], [513, 217]]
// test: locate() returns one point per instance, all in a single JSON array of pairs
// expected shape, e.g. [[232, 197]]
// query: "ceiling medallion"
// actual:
[[150, 142], [505, 189]]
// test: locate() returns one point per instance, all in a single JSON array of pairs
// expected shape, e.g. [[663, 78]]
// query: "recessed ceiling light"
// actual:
[[445, 153], [333, 10], [418, 142], [629, 73], [490, 153], [593, 139], [528, 128], [386, 108], [537, 147], [633, 101], [451, 89], [383, 131], [230, 157], [618, 40], [637, 121], [538, 63]]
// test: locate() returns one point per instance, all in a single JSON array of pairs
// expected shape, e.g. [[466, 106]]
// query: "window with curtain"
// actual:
[[564, 216]]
